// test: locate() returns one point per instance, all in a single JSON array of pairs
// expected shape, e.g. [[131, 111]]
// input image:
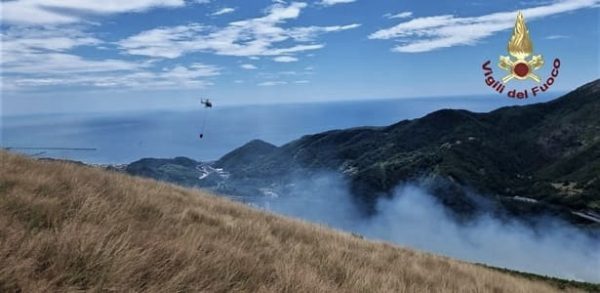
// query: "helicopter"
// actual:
[[206, 102], [207, 105]]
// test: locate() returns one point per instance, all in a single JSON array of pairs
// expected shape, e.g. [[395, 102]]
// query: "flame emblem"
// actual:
[[520, 47]]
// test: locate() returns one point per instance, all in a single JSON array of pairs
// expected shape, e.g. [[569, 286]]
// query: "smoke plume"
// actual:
[[414, 218]]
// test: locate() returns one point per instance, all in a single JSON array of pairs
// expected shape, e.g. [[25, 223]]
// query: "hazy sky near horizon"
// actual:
[[95, 56]]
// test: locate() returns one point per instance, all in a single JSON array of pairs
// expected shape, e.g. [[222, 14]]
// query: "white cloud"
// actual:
[[253, 37], [248, 66], [435, 32], [222, 11], [61, 12], [17, 41], [168, 42], [47, 55], [556, 37], [285, 59], [288, 73], [34, 50], [334, 2], [405, 14], [176, 77], [61, 63], [282, 75], [301, 81], [310, 32], [294, 49], [40, 57], [272, 83]]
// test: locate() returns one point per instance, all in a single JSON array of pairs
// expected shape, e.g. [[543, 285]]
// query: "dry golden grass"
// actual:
[[65, 227]]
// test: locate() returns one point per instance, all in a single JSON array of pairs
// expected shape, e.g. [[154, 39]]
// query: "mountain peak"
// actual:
[[250, 152]]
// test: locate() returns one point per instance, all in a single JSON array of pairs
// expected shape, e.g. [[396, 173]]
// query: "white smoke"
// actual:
[[414, 218]]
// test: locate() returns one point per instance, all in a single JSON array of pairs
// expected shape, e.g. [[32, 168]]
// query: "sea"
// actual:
[[123, 137]]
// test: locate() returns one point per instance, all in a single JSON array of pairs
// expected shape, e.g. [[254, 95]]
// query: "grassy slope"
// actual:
[[67, 227]]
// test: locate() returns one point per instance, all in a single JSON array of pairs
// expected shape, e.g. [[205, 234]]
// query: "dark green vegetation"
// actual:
[[180, 170], [548, 152]]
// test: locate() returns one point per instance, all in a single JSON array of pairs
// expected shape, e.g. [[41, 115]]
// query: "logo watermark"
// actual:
[[519, 66]]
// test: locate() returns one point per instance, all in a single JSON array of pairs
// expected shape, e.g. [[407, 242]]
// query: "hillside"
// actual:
[[547, 153], [66, 227], [530, 151]]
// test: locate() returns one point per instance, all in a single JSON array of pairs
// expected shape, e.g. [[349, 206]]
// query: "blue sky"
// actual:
[[111, 55]]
